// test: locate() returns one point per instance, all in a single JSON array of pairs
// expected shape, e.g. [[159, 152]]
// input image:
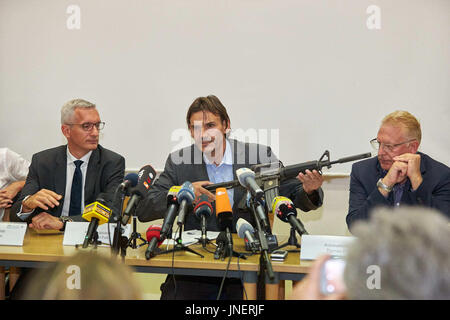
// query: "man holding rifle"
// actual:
[[213, 158]]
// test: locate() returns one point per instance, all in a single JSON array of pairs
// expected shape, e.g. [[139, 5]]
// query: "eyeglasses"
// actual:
[[388, 147], [87, 126]]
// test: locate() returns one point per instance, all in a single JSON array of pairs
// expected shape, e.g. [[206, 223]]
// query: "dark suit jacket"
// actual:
[[48, 171], [364, 195], [154, 205]]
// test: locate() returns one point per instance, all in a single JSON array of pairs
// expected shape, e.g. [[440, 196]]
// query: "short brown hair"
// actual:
[[210, 103], [407, 120]]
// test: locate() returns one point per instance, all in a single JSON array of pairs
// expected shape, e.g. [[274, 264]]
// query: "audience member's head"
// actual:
[[407, 248], [411, 247], [83, 276]]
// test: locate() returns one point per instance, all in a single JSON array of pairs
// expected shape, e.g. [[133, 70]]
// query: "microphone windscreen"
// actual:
[[186, 193], [203, 206], [146, 176], [154, 231], [222, 201], [242, 226], [132, 178], [98, 210], [242, 174], [277, 201], [224, 212]]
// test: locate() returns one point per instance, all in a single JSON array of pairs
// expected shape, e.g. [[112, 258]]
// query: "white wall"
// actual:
[[310, 69]]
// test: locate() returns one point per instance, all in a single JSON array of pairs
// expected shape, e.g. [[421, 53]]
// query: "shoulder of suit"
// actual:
[[52, 152], [371, 162], [108, 154], [236, 144], [433, 164], [182, 151]]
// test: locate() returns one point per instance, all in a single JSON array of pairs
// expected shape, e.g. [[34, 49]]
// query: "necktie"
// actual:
[[75, 193]]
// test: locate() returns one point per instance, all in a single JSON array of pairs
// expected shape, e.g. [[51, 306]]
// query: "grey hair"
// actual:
[[411, 248], [69, 107]]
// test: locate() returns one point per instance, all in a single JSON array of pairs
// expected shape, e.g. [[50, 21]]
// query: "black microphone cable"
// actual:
[[173, 265], [224, 276]]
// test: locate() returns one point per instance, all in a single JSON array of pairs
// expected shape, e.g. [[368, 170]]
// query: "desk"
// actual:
[[41, 249]]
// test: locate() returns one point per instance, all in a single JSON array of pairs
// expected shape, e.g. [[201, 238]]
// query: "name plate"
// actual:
[[314, 246], [75, 233], [12, 233]]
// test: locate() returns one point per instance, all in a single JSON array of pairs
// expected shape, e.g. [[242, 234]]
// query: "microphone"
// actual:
[[246, 178], [245, 231], [186, 197], [171, 213], [203, 211], [146, 178], [224, 213], [286, 211], [130, 181], [154, 239], [97, 213], [260, 212]]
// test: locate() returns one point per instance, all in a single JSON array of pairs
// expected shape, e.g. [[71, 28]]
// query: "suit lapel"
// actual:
[[239, 162], [91, 176], [60, 175]]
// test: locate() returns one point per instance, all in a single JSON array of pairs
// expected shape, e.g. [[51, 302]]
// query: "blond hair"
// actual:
[[100, 278], [409, 122]]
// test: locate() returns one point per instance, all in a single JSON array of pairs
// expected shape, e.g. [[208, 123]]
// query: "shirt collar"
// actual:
[[71, 158], [227, 156]]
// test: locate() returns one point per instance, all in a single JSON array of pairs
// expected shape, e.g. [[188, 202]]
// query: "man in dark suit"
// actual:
[[62, 180], [213, 158], [400, 175]]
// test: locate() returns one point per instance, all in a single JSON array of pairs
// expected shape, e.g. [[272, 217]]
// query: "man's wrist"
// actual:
[[64, 221], [415, 183], [384, 188], [25, 208]]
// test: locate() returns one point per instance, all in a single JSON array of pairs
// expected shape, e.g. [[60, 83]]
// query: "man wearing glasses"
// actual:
[[62, 180], [399, 175]]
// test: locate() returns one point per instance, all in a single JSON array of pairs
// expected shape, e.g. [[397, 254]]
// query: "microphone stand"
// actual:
[[204, 240], [94, 241], [118, 239], [132, 242], [179, 246], [264, 261], [292, 241], [228, 249]]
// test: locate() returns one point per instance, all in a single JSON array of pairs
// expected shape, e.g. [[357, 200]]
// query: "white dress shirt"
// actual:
[[13, 168], [69, 174]]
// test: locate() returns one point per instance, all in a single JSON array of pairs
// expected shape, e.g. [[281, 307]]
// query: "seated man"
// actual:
[[13, 172], [400, 174], [213, 158], [62, 180]]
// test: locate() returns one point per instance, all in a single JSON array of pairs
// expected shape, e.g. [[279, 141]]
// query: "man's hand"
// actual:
[[311, 180], [396, 174], [45, 221], [5, 199], [412, 162], [43, 199], [8, 194], [309, 287], [199, 190]]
